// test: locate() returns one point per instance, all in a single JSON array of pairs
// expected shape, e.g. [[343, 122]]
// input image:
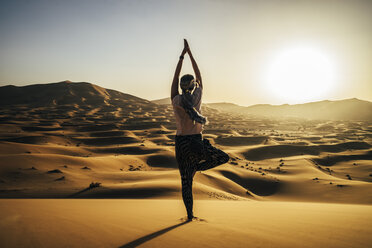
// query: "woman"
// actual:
[[193, 152]]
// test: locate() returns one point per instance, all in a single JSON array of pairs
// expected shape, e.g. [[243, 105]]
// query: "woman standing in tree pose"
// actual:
[[193, 152]]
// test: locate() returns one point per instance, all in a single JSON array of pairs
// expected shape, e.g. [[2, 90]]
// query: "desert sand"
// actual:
[[157, 223], [291, 182]]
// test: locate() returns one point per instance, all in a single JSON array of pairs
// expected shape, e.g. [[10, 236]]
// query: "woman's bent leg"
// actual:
[[214, 157]]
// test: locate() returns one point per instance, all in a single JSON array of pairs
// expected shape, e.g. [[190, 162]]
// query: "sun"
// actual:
[[300, 74]]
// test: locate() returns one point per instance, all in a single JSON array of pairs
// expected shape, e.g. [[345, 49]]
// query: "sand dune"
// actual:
[[62, 143], [279, 151], [133, 150], [342, 110], [63, 93], [332, 160], [348, 109], [240, 140], [91, 134]]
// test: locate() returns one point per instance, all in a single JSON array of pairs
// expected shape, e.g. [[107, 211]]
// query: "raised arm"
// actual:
[[194, 66], [176, 78]]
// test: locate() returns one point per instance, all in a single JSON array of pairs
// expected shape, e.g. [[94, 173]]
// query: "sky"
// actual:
[[133, 46]]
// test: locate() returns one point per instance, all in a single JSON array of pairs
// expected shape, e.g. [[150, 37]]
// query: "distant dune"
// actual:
[[348, 109], [62, 93], [166, 100], [56, 139]]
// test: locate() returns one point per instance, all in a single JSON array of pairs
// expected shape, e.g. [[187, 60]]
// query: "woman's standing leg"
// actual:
[[187, 169], [187, 197]]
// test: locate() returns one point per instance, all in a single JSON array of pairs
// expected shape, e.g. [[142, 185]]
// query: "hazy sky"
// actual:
[[133, 46]]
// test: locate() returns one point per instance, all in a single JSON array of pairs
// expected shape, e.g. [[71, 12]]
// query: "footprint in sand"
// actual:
[[60, 178], [54, 171]]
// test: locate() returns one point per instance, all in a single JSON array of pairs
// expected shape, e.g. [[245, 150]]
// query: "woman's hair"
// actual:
[[187, 82], [187, 85]]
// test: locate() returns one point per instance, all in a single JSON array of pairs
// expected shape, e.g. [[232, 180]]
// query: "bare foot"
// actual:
[[198, 219], [186, 219]]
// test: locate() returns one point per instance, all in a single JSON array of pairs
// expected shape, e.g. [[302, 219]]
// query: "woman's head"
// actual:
[[187, 82]]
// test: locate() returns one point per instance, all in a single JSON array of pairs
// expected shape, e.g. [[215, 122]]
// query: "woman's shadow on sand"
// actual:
[[153, 235]]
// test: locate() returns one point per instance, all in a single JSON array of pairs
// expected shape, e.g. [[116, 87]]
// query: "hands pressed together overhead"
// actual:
[[186, 48]]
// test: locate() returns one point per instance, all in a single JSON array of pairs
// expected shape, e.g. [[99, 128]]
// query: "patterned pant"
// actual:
[[193, 153]]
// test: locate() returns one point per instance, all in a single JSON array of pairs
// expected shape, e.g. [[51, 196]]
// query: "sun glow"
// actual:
[[300, 74]]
